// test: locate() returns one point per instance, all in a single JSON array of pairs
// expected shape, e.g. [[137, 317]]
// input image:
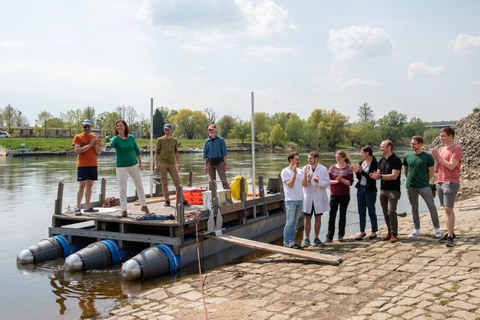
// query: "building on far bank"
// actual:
[[30, 132]]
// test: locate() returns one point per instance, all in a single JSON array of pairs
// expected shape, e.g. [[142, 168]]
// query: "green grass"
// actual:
[[444, 302], [38, 144]]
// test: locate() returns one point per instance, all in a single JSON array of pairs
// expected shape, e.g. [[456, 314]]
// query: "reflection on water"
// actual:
[[28, 187], [76, 295], [86, 295]]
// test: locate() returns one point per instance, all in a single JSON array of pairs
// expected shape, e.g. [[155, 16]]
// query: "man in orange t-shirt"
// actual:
[[87, 146]]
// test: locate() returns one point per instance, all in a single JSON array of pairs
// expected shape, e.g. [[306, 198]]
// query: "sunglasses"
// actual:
[[85, 127]]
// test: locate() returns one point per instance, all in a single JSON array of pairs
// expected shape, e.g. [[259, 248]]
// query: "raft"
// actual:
[[151, 247]]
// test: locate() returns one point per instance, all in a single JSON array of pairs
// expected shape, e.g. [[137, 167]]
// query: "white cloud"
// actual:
[[265, 18], [337, 79], [189, 14], [183, 17], [272, 52], [476, 83], [357, 82], [358, 42], [195, 48], [465, 43], [13, 45], [422, 70]]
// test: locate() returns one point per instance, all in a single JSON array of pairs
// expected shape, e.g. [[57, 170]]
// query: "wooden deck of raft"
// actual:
[[172, 232]]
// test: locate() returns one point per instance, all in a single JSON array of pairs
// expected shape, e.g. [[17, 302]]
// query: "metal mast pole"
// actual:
[[253, 147], [151, 147]]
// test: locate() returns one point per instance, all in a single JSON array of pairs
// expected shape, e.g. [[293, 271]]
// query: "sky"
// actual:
[[421, 58]]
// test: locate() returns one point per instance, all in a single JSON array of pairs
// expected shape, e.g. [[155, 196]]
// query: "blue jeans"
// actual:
[[366, 200], [293, 210]]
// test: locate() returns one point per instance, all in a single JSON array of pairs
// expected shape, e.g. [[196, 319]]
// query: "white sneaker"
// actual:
[[437, 234], [414, 234]]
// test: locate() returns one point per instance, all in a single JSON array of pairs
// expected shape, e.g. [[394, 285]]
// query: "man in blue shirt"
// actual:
[[215, 155]]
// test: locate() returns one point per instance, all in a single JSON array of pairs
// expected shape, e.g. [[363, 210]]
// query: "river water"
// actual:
[[28, 188]]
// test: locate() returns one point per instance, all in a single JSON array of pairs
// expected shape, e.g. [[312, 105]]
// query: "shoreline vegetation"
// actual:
[[55, 146], [64, 145]]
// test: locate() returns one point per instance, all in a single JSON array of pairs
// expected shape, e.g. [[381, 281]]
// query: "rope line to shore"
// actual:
[[200, 273]]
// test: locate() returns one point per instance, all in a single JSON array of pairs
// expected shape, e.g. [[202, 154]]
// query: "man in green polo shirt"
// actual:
[[419, 168]]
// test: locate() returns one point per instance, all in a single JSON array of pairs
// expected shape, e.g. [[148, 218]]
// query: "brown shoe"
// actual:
[[393, 239], [387, 237], [145, 209]]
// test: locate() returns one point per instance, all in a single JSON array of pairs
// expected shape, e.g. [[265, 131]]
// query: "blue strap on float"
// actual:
[[117, 254], [173, 259], [67, 250]]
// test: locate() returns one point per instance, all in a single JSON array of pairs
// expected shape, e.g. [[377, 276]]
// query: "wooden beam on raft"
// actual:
[[103, 188], [308, 255], [59, 200], [160, 199]]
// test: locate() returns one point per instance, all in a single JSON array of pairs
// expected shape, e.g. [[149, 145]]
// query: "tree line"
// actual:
[[322, 129]]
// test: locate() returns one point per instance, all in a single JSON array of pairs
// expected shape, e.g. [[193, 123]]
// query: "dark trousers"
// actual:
[[388, 201], [212, 172], [366, 200], [335, 202]]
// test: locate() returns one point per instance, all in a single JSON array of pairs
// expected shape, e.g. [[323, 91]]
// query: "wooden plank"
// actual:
[[134, 237], [274, 198], [132, 220], [315, 256], [227, 208], [156, 199], [254, 202]]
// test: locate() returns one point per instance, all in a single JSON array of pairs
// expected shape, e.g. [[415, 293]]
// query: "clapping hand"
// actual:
[[94, 140], [375, 175], [309, 177]]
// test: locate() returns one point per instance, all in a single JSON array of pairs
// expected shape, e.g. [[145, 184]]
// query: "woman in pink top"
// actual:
[[341, 178]]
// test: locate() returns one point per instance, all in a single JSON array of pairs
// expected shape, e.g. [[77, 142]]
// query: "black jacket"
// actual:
[[371, 185]]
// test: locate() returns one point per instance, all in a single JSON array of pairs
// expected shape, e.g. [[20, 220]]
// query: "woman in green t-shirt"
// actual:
[[128, 163]]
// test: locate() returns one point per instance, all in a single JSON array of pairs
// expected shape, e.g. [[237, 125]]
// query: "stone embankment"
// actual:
[[411, 279]]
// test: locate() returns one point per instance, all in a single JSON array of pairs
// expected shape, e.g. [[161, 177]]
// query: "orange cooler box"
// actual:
[[194, 195]]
